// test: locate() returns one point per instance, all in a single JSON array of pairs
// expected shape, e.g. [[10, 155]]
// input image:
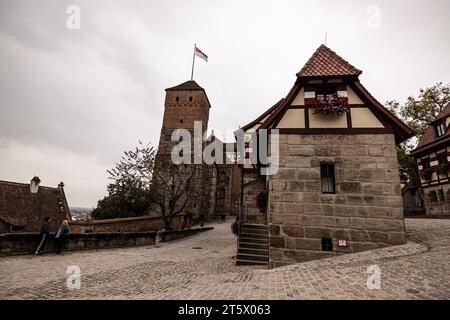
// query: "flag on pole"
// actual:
[[200, 54]]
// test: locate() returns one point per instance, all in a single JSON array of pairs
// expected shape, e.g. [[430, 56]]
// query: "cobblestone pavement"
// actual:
[[202, 267]]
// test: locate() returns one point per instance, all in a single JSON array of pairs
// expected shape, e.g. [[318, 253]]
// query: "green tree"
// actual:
[[133, 202], [140, 183], [418, 113]]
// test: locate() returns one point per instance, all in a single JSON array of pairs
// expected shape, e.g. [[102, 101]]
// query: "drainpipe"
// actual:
[[241, 211]]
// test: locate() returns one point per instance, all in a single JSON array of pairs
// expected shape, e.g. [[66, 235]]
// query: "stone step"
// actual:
[[256, 251], [255, 231], [251, 245], [241, 262], [254, 240], [253, 257], [255, 226], [244, 234]]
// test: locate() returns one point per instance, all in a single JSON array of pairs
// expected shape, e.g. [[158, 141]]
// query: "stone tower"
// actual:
[[184, 105]]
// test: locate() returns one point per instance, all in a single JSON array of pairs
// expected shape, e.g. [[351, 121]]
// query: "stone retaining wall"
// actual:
[[133, 224], [26, 243]]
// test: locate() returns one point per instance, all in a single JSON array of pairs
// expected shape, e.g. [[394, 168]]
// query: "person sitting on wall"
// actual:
[[43, 236], [60, 236]]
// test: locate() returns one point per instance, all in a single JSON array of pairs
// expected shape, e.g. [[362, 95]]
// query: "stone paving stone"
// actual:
[[175, 270]]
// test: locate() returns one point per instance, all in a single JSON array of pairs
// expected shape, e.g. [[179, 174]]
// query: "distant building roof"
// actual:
[[429, 137], [325, 62], [21, 208]]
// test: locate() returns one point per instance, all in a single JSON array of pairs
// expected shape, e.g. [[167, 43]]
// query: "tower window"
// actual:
[[327, 244], [327, 177], [177, 99], [181, 120], [191, 98]]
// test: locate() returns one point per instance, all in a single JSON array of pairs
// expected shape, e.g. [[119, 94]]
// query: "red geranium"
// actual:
[[261, 199]]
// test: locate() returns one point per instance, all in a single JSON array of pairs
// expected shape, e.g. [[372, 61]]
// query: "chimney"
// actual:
[[34, 184]]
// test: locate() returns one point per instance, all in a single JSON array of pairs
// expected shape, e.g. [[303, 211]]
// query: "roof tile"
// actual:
[[325, 62], [20, 207]]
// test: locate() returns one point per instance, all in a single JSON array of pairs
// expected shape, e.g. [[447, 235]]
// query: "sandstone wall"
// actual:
[[253, 183], [135, 224], [366, 210]]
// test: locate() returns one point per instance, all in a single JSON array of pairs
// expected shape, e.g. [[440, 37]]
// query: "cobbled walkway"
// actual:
[[202, 267]]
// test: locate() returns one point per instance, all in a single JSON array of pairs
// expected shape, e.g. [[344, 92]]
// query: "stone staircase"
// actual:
[[253, 245]]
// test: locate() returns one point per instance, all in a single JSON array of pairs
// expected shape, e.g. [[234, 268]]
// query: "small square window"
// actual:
[[191, 98], [181, 120], [177, 99], [425, 163], [327, 244], [327, 177]]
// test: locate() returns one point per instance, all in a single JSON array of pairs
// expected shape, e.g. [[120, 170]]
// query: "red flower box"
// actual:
[[328, 105]]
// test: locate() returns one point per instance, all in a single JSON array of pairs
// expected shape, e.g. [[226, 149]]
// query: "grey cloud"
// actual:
[[89, 94]]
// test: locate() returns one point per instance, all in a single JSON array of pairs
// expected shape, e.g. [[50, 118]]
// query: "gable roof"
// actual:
[[19, 207], [401, 130], [444, 114], [320, 65], [429, 137], [188, 85], [263, 117], [325, 62]]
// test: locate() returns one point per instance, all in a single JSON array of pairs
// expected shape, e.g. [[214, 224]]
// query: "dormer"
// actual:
[[440, 128]]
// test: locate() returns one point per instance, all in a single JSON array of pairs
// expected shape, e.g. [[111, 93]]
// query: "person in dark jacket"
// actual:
[[60, 236], [43, 237]]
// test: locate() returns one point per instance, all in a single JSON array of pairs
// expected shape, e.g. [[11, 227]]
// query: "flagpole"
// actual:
[[193, 62]]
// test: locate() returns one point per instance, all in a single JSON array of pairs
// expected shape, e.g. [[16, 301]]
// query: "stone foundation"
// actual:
[[366, 210]]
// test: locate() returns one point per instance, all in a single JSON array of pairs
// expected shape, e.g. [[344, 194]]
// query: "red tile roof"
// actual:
[[21, 208], [325, 62], [188, 85]]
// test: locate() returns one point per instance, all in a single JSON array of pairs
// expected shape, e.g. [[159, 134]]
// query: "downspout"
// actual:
[[241, 211]]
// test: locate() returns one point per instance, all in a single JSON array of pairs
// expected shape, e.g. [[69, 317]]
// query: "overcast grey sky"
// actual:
[[72, 100]]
